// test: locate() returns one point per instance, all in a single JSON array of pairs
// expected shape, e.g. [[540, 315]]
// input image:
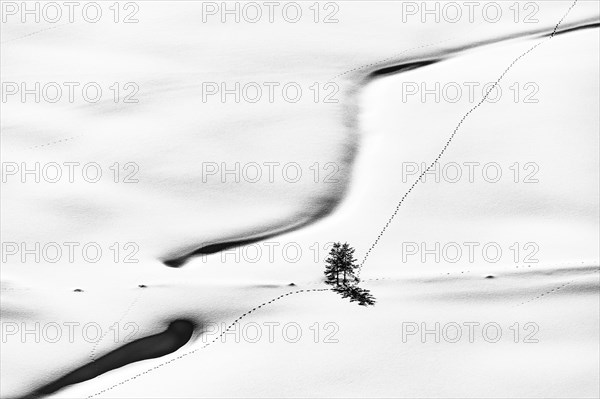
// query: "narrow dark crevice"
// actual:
[[591, 25], [402, 68], [213, 249], [174, 337], [324, 207]]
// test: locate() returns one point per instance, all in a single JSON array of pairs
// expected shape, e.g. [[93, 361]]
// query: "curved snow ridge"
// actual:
[[458, 126], [360, 76], [217, 248]]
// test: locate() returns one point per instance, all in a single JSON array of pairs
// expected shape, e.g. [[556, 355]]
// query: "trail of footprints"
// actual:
[[545, 293], [260, 306], [97, 343], [395, 56], [378, 238], [553, 290], [236, 321], [54, 142]]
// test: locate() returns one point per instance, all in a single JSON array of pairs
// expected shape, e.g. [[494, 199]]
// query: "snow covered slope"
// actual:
[[544, 219]]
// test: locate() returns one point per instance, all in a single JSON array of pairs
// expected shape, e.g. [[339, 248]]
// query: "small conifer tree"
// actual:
[[332, 265], [340, 267]]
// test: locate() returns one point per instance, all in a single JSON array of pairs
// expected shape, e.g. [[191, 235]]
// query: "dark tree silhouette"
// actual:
[[340, 270], [347, 264], [332, 267], [357, 294]]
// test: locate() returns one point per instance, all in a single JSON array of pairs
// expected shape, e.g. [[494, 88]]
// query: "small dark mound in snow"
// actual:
[[142, 286], [291, 285], [489, 277], [77, 290]]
